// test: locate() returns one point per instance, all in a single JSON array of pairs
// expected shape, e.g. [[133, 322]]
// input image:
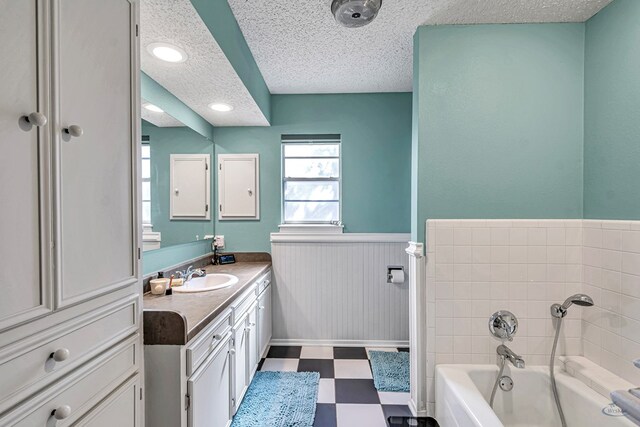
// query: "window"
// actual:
[[146, 183], [311, 179]]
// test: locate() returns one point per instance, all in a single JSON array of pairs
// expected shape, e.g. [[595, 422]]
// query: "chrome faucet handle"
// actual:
[[503, 325], [180, 274]]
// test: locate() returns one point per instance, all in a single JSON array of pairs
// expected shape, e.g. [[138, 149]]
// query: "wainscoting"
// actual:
[[333, 289]]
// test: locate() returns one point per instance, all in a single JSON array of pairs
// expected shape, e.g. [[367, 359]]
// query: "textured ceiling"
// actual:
[[162, 120], [301, 49], [207, 76]]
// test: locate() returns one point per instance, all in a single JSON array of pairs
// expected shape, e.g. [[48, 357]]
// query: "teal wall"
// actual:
[[376, 158], [612, 113], [153, 92], [500, 131], [219, 18], [164, 142]]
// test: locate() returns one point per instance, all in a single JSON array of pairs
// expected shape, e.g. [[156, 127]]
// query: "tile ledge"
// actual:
[[595, 376]]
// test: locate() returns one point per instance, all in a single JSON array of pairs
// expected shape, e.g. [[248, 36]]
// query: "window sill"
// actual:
[[310, 228]]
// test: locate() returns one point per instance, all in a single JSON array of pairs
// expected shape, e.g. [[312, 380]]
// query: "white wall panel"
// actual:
[[338, 291]]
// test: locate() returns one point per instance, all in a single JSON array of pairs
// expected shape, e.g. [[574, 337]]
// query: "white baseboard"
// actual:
[[339, 343]]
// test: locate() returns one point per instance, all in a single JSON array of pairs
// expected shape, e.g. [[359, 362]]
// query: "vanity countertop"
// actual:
[[177, 318]]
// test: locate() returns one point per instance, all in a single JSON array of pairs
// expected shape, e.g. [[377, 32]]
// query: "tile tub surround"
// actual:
[[175, 319], [611, 330], [476, 267]]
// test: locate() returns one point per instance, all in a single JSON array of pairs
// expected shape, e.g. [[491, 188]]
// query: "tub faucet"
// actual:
[[190, 272], [506, 353]]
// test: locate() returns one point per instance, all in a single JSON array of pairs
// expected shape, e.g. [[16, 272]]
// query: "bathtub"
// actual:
[[463, 392]]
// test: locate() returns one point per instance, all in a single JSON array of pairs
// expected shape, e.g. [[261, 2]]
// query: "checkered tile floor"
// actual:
[[346, 396]]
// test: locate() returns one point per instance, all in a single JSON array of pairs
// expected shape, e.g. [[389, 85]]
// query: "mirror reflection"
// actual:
[[176, 181]]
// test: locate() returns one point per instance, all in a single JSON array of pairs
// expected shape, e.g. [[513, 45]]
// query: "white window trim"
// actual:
[[308, 227], [147, 224]]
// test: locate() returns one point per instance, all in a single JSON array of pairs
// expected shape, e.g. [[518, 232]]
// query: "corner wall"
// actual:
[[500, 132], [612, 113]]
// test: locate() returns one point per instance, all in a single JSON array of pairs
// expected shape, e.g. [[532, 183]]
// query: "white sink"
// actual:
[[210, 282]]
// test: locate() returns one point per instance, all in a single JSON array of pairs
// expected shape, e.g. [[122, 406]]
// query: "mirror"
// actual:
[[177, 181]]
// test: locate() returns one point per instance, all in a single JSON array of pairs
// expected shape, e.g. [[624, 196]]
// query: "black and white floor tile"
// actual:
[[347, 396]]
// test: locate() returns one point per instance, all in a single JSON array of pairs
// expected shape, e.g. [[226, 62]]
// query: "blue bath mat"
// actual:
[[390, 370], [279, 399]]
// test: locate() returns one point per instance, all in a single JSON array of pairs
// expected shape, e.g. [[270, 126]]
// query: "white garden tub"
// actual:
[[463, 392]]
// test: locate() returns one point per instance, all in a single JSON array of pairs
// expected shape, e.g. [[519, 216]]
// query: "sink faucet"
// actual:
[[506, 353], [190, 272]]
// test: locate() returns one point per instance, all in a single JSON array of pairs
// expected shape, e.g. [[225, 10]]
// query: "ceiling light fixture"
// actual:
[[221, 107], [153, 108], [355, 13], [167, 52]]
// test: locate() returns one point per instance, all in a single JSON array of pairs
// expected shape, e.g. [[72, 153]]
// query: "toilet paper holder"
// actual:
[[390, 269]]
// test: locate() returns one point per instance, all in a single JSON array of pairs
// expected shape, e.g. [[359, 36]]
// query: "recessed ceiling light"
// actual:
[[167, 52], [219, 106], [153, 108]]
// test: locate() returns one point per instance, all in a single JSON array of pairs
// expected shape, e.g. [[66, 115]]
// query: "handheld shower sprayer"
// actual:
[[560, 310]]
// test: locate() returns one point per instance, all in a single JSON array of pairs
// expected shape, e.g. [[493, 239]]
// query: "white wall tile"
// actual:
[[525, 266]]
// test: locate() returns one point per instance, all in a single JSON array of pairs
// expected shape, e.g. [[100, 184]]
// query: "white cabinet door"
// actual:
[[241, 374], [190, 186], [264, 320], [238, 186], [23, 175], [96, 58], [209, 389], [252, 327]]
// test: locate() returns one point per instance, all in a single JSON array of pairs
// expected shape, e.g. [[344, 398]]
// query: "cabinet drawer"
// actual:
[[79, 391], [263, 282], [29, 365], [207, 341], [121, 408], [241, 305]]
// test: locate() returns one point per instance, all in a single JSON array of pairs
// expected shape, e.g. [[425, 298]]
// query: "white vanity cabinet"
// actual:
[[208, 388], [202, 383], [265, 327], [70, 312]]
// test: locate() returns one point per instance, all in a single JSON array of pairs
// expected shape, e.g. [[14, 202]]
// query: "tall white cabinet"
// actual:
[[70, 312]]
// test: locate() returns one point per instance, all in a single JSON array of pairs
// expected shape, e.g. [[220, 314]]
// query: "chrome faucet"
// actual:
[[506, 354], [190, 272]]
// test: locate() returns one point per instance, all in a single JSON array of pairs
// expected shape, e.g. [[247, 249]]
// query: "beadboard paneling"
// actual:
[[339, 291]]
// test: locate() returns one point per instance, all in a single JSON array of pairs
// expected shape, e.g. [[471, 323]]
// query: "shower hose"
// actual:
[[552, 374], [495, 385]]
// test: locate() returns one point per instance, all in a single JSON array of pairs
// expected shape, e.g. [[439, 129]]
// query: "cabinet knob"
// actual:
[[232, 351], [61, 412], [60, 355], [36, 119], [73, 130], [250, 191], [261, 307]]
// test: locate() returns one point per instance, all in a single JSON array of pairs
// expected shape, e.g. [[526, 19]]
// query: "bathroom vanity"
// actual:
[[202, 349]]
